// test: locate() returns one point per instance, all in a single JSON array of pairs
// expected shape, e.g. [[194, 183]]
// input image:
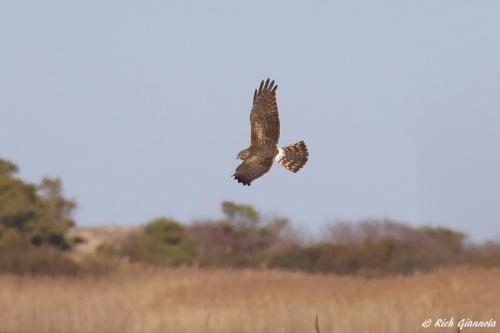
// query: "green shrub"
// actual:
[[163, 241]]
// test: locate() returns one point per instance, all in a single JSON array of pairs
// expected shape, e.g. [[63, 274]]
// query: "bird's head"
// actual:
[[243, 155]]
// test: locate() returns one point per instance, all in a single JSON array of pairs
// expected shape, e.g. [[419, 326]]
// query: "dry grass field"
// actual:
[[188, 300]]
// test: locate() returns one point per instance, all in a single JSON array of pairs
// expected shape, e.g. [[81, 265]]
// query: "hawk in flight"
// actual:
[[265, 133]]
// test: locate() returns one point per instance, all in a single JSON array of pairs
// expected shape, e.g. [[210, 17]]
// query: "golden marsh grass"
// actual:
[[139, 299]]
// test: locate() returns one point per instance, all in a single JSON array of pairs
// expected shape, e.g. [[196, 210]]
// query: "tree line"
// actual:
[[35, 219]]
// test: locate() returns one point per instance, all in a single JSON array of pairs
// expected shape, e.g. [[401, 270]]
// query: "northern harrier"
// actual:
[[265, 133]]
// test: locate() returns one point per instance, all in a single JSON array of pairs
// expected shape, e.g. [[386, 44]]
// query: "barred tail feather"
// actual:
[[293, 157]]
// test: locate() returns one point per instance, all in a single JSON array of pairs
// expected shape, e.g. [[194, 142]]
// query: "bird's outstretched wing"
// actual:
[[264, 118], [251, 169]]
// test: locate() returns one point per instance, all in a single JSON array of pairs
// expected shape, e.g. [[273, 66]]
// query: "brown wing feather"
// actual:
[[264, 118], [252, 168]]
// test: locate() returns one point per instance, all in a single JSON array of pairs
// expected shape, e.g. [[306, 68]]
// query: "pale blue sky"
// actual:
[[141, 106]]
